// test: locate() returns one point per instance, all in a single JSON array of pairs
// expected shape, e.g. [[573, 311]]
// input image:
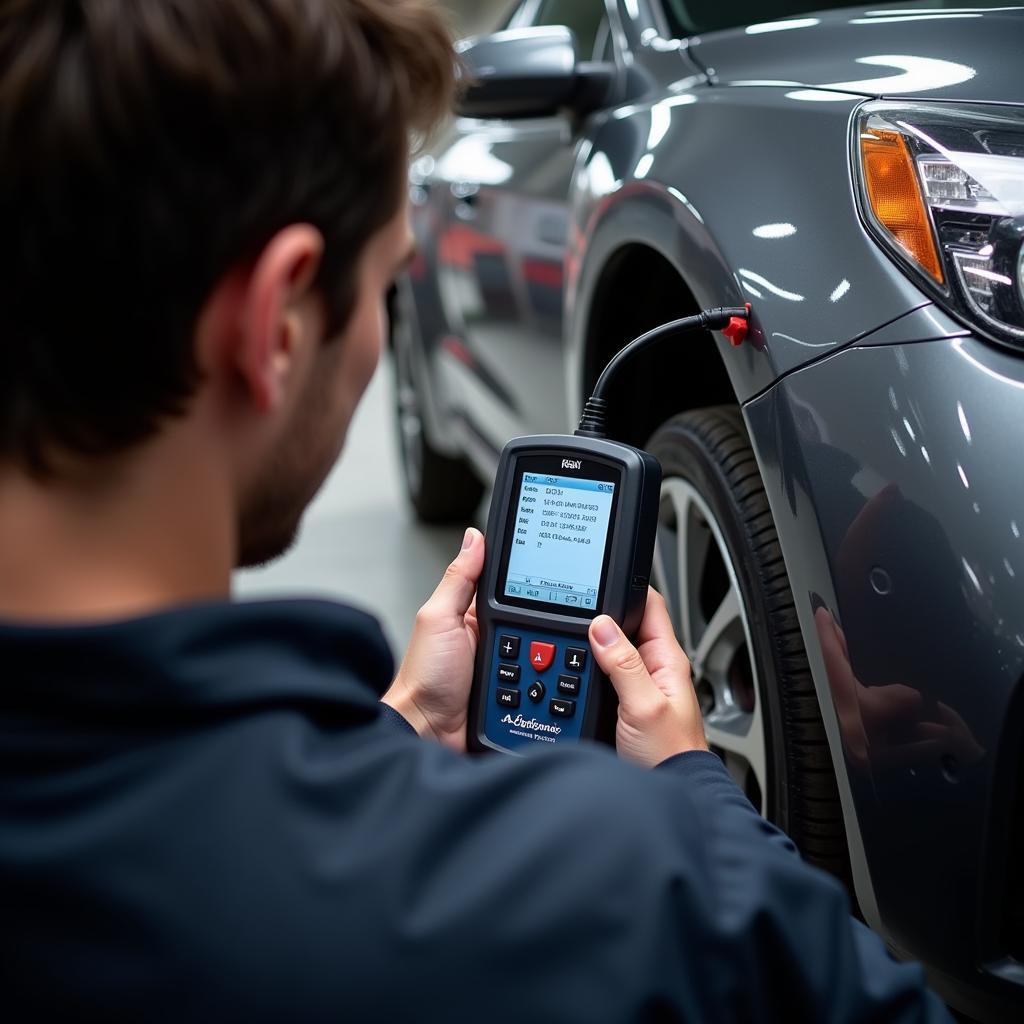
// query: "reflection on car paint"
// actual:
[[916, 74], [780, 26], [922, 641], [763, 282], [779, 230], [839, 291]]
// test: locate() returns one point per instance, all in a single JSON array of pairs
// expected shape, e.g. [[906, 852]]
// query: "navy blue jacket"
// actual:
[[205, 815]]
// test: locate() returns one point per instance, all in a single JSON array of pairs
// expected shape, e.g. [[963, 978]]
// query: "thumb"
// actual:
[[621, 662], [454, 594]]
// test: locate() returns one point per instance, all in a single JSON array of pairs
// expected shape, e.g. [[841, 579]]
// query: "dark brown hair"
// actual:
[[149, 146]]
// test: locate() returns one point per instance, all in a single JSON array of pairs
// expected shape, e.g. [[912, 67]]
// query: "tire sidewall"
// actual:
[[683, 456]]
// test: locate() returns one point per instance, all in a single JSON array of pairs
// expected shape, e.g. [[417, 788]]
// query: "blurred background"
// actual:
[[471, 16], [359, 542]]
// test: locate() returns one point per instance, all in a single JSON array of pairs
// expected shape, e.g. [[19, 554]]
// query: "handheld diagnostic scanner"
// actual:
[[570, 535]]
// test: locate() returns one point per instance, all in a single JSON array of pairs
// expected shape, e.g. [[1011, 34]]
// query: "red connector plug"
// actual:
[[736, 329]]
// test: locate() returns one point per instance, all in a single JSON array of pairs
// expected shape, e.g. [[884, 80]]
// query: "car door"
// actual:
[[501, 252]]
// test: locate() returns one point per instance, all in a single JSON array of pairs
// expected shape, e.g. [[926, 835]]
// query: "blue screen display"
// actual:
[[558, 540]]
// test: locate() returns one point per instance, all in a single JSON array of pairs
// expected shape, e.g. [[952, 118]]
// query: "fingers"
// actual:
[[621, 662], [891, 704], [844, 686], [454, 594], [658, 646], [837, 662], [658, 717]]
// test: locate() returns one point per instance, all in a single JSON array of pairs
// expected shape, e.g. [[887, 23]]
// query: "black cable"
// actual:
[[592, 422]]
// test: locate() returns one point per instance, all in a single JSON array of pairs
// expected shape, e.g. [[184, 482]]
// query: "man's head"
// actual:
[[201, 207]]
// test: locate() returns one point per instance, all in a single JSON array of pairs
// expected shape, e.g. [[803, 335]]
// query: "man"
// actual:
[[205, 812]]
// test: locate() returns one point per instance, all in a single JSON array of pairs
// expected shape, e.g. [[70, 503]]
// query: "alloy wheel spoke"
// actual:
[[663, 571], [682, 563], [740, 736], [692, 552], [724, 629]]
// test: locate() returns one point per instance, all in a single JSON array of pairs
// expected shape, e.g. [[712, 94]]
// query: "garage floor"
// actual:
[[359, 541]]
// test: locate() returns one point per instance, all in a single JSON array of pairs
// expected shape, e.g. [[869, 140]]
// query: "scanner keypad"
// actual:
[[508, 674], [575, 659], [553, 671]]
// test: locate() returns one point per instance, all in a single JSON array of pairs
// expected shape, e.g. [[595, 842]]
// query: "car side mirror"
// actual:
[[530, 72]]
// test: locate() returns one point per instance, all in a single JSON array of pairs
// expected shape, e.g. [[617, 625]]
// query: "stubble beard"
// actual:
[[271, 514]]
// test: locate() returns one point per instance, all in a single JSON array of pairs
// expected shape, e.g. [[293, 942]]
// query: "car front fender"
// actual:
[[747, 192]]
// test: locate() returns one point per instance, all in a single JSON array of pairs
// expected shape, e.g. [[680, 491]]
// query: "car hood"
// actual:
[[967, 52]]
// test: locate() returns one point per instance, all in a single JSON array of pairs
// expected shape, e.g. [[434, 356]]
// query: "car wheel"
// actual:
[[441, 489], [719, 566]]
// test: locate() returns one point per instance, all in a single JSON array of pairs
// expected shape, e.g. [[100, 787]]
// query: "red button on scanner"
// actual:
[[541, 655]]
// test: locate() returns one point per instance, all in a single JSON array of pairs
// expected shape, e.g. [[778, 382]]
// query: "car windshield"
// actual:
[[690, 17]]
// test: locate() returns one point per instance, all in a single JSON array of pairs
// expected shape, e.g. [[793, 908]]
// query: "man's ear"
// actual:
[[257, 321]]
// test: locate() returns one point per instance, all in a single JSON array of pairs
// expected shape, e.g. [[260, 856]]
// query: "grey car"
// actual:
[[840, 537]]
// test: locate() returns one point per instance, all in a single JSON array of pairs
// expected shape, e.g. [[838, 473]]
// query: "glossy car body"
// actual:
[[885, 427]]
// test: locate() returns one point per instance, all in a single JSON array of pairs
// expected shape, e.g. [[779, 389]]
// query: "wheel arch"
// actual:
[[674, 377], [647, 257]]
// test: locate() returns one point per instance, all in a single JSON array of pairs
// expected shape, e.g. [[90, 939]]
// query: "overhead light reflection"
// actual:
[[643, 165], [686, 202], [797, 341], [768, 286], [888, 13], [781, 230], [661, 116], [988, 275], [971, 575], [628, 110], [840, 290], [916, 74], [963, 476], [600, 175], [923, 16], [661, 120], [958, 347], [776, 83], [471, 159], [781, 26], [964, 425]]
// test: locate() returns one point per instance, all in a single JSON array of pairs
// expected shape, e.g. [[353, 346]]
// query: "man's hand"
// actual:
[[658, 711], [431, 690]]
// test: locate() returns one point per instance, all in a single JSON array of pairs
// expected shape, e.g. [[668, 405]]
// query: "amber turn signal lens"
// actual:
[[895, 196]]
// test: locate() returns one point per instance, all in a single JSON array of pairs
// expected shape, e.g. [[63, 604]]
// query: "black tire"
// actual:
[[709, 452], [441, 489]]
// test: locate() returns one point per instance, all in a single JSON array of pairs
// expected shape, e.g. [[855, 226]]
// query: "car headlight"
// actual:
[[942, 187]]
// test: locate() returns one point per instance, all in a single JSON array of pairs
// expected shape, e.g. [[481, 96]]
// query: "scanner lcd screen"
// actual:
[[558, 540]]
